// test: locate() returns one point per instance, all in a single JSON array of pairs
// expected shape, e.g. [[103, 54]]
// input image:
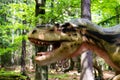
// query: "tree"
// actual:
[[23, 52], [86, 57], [41, 71]]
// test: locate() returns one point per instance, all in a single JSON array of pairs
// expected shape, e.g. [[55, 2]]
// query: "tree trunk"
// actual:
[[41, 72], [117, 13], [38, 8], [86, 57], [23, 55], [85, 9], [87, 67]]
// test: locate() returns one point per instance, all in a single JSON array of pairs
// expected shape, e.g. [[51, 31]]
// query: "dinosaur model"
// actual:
[[75, 37]]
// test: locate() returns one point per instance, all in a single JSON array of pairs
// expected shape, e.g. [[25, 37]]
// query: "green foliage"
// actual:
[[103, 9], [16, 15], [12, 16], [61, 10], [10, 75], [61, 76]]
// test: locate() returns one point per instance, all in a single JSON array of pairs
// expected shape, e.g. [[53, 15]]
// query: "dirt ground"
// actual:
[[73, 75]]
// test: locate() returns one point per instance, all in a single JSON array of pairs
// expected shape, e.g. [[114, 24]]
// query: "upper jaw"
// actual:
[[53, 35]]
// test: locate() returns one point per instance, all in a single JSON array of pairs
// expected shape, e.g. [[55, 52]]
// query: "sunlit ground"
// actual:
[[71, 75]]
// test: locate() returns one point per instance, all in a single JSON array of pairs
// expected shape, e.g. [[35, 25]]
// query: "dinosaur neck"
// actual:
[[96, 49]]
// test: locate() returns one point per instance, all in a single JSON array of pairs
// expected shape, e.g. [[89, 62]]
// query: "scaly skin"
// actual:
[[71, 44]]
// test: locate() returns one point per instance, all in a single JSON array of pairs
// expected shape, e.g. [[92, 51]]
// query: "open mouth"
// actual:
[[55, 44], [60, 50]]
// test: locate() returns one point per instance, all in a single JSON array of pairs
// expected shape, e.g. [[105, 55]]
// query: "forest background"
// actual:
[[17, 18]]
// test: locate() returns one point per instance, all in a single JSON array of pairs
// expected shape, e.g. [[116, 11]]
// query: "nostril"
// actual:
[[39, 54], [34, 31]]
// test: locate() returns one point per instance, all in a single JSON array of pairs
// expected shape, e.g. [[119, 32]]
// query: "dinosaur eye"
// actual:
[[34, 31]]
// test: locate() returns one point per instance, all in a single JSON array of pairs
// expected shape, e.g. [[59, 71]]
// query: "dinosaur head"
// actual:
[[65, 40]]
